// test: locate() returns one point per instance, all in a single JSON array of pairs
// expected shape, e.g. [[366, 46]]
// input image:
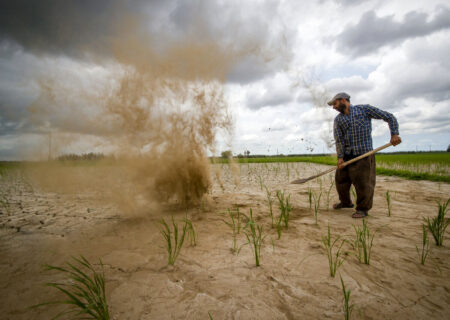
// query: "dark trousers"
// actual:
[[362, 175]]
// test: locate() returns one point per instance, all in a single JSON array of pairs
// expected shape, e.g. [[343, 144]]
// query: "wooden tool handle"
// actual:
[[366, 154], [300, 181]]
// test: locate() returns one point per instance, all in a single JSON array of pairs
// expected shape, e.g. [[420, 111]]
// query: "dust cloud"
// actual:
[[158, 112]]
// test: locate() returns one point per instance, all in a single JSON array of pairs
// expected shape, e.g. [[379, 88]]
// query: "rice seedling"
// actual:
[[423, 253], [254, 234], [273, 244], [347, 307], [236, 227], [310, 197], [285, 207], [174, 239], [353, 192], [320, 183], [270, 202], [335, 258], [287, 170], [363, 242], [439, 224], [316, 205], [261, 181], [85, 294], [388, 201], [191, 234], [279, 228], [328, 194]]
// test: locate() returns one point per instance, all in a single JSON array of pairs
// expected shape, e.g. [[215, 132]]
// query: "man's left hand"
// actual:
[[395, 139]]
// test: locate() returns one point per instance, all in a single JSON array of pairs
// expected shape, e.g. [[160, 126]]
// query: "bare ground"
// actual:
[[293, 282]]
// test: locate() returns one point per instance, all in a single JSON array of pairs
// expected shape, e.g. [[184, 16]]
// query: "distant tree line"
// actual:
[[228, 154], [84, 156]]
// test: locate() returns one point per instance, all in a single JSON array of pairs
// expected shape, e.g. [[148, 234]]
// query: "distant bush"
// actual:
[[226, 154]]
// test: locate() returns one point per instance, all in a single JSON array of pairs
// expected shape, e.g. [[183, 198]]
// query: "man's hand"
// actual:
[[340, 162], [395, 140]]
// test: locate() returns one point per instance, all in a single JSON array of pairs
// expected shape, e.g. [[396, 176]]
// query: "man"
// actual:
[[352, 133]]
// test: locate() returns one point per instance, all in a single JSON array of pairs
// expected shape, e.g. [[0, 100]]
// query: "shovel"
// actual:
[[300, 181]]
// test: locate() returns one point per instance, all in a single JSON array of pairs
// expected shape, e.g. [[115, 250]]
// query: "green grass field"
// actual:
[[432, 166]]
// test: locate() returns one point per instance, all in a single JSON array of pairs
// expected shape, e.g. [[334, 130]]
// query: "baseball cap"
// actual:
[[340, 95]]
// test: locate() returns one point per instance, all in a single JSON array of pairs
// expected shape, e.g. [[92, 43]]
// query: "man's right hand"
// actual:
[[340, 162]]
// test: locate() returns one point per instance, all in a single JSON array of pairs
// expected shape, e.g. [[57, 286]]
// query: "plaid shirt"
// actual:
[[352, 132]]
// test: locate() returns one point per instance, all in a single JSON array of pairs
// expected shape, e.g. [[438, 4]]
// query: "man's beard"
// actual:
[[341, 107]]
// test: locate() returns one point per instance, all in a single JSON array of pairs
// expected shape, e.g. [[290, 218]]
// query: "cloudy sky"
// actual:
[[390, 54]]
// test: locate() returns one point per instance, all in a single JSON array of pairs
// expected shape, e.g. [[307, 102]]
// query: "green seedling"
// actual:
[[328, 194], [353, 192], [84, 290], [347, 307], [423, 253], [191, 234], [261, 181], [236, 226], [333, 249], [254, 234], [363, 242], [388, 201], [174, 239], [285, 207], [316, 205], [287, 170], [439, 224], [270, 202]]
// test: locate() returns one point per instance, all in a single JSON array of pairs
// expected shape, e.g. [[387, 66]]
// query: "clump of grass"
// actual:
[[236, 226], [191, 234], [363, 242], [388, 201], [316, 205], [85, 295], [347, 307], [423, 253], [254, 234], [285, 207], [174, 238], [335, 256], [270, 202], [439, 224]]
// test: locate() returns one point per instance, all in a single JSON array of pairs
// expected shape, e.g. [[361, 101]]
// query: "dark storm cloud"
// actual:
[[57, 27], [373, 32], [85, 29], [73, 28]]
